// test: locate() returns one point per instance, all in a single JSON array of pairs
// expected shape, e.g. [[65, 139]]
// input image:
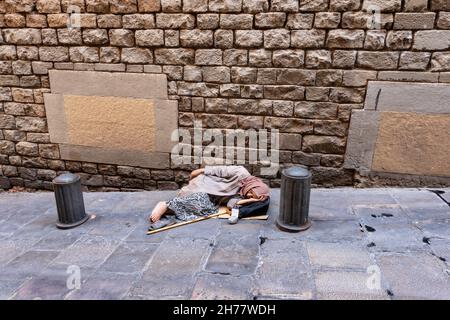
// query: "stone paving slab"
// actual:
[[374, 215], [129, 258], [217, 286], [139, 234], [11, 249], [284, 271], [103, 286], [418, 276], [40, 288], [236, 250], [58, 239], [395, 238], [428, 211], [88, 251], [441, 249], [414, 196], [409, 246], [172, 269], [346, 285], [205, 230], [446, 195], [28, 264], [435, 228], [324, 255], [8, 287], [320, 230]]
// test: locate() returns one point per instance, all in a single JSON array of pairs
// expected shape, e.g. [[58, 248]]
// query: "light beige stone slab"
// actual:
[[408, 97], [413, 143], [116, 118], [155, 160], [361, 140], [113, 84], [110, 122]]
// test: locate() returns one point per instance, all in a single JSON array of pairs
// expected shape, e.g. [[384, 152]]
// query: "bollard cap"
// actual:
[[296, 172], [66, 178]]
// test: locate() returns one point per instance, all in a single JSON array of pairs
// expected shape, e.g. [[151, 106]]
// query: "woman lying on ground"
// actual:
[[210, 187]]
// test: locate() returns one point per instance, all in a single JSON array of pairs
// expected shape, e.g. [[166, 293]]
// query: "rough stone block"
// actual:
[[315, 110], [22, 36], [399, 40], [383, 5], [236, 21], [443, 21], [323, 144], [208, 57], [440, 61], [378, 60], [225, 5], [414, 60], [345, 39], [416, 5], [249, 38], [175, 21], [314, 38], [174, 56], [277, 38], [270, 20], [288, 58], [414, 21], [299, 21], [358, 78]]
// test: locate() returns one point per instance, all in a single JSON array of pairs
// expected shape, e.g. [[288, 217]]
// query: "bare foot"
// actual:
[[158, 211]]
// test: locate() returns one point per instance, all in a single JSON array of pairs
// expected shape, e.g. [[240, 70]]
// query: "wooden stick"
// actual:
[[176, 225]]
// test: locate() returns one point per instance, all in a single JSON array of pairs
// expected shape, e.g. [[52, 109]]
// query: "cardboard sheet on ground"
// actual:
[[170, 222]]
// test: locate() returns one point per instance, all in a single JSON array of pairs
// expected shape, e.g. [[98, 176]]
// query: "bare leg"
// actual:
[[158, 211]]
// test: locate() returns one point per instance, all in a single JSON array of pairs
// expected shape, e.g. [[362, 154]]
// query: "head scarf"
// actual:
[[255, 184]]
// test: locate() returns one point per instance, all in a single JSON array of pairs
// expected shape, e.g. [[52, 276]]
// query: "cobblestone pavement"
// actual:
[[363, 244]]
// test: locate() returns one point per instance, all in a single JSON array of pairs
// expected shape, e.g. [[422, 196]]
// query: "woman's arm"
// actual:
[[227, 171], [197, 172]]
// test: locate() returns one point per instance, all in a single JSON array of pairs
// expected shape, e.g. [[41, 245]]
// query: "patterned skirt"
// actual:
[[192, 206]]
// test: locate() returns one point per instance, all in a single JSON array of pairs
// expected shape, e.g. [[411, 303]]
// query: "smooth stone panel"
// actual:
[[413, 144], [107, 84], [361, 139], [408, 97], [156, 160]]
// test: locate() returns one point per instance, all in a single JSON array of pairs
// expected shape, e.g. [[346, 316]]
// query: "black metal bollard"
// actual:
[[294, 203], [69, 201]]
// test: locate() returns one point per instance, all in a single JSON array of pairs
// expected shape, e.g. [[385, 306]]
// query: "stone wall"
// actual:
[[297, 66]]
